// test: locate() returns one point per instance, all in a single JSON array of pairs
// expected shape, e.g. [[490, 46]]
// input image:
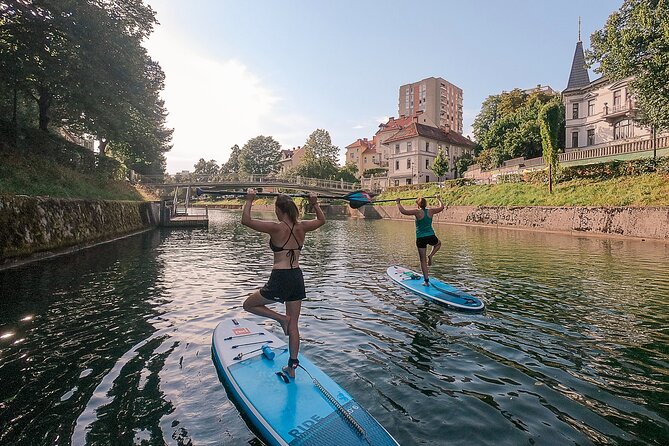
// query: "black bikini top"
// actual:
[[291, 251]]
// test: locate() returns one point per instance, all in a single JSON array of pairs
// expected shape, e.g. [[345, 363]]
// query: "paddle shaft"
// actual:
[[395, 199]]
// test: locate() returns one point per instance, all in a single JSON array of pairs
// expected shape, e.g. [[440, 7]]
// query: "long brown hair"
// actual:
[[286, 205], [421, 202]]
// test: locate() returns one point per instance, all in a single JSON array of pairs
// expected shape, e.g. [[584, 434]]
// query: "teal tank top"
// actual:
[[424, 226]]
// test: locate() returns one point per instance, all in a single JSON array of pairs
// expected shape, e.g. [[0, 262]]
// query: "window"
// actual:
[[397, 149], [397, 182], [616, 99], [427, 178], [591, 137], [397, 164], [409, 147], [427, 164], [427, 146], [408, 163], [574, 139], [623, 129], [591, 107], [408, 181], [574, 113], [365, 159]]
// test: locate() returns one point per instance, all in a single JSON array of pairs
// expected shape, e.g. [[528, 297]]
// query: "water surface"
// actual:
[[112, 345]]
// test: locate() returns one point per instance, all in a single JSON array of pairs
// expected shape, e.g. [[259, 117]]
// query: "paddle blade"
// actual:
[[358, 199], [199, 191]]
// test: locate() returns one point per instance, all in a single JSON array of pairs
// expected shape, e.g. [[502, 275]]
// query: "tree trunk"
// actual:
[[44, 102], [103, 146], [654, 135], [550, 178]]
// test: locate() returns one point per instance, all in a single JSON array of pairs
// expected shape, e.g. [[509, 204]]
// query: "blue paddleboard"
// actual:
[[437, 291], [309, 410]]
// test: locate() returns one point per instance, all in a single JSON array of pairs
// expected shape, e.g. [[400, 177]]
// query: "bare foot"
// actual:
[[429, 260], [289, 371], [284, 325]]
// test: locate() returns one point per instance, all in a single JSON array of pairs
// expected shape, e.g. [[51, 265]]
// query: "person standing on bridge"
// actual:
[[286, 282], [424, 232]]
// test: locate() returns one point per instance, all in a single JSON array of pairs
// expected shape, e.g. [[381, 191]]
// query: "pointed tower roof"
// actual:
[[578, 78]]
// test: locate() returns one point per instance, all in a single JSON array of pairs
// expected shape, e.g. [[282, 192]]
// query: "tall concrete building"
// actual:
[[438, 99]]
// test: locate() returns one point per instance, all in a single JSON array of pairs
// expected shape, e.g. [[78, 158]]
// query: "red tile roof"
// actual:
[[426, 131], [395, 124], [364, 143]]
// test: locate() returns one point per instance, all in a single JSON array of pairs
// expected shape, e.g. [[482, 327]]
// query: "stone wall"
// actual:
[[34, 224], [642, 222]]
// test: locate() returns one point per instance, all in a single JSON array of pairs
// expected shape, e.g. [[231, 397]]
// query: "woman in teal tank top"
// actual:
[[424, 232]]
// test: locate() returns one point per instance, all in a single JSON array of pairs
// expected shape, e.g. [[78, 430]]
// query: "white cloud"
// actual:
[[359, 126], [214, 104]]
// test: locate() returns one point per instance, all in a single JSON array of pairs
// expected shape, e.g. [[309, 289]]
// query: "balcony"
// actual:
[[627, 109]]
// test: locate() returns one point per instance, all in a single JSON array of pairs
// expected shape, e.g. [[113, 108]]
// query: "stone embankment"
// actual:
[[33, 225], [640, 222]]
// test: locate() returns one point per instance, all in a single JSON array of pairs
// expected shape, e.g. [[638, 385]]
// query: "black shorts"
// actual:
[[422, 242], [284, 285]]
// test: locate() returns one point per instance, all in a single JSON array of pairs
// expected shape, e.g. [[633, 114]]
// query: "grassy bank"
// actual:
[[38, 176], [644, 190]]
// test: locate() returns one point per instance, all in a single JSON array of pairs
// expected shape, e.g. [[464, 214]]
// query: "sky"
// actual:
[[239, 69]]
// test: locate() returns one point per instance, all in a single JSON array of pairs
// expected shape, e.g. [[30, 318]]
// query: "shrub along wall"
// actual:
[[33, 224]]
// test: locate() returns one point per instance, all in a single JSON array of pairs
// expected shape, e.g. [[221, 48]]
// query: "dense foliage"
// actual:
[[440, 165], [79, 65], [507, 127], [635, 42], [260, 156], [551, 122]]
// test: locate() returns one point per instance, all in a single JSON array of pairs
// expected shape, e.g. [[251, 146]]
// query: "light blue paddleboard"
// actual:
[[437, 291], [294, 413]]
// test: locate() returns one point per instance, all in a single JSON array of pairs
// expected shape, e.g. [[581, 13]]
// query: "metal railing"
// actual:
[[241, 179]]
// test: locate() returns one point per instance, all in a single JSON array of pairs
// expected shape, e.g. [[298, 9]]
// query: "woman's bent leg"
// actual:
[[256, 304], [435, 248]]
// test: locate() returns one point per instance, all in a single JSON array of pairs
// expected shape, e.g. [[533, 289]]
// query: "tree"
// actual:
[[549, 121], [507, 126], [635, 43], [206, 167], [462, 163], [260, 156], [348, 173], [320, 156], [440, 166], [232, 165]]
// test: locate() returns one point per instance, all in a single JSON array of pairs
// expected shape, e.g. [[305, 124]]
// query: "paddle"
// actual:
[[356, 199], [402, 199]]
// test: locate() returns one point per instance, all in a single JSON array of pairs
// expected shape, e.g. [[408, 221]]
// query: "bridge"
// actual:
[[241, 181]]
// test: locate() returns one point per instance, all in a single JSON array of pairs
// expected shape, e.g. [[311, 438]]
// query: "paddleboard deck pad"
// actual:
[[294, 413], [438, 291]]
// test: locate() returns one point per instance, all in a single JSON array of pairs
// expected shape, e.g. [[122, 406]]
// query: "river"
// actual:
[[111, 345]]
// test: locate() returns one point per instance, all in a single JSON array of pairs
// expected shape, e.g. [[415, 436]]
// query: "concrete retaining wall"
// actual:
[[30, 225], [642, 222]]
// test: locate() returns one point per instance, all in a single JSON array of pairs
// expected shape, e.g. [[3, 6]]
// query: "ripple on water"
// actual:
[[115, 341]]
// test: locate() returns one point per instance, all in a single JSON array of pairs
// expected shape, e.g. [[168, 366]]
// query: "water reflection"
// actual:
[[112, 345]]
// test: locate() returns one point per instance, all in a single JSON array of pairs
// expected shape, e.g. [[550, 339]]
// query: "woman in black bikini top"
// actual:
[[286, 282], [291, 251]]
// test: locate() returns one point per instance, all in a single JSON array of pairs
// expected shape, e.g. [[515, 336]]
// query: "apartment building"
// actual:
[[600, 112], [439, 100], [413, 148]]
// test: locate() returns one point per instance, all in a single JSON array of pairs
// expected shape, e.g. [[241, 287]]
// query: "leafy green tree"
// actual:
[[206, 167], [232, 165], [321, 145], [549, 120], [507, 127], [348, 172], [260, 156], [635, 42], [463, 163], [440, 165]]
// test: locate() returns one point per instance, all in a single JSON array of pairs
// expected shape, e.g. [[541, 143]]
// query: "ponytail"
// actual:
[[286, 205]]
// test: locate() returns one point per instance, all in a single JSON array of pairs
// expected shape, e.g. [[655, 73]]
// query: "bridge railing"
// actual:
[[237, 179]]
